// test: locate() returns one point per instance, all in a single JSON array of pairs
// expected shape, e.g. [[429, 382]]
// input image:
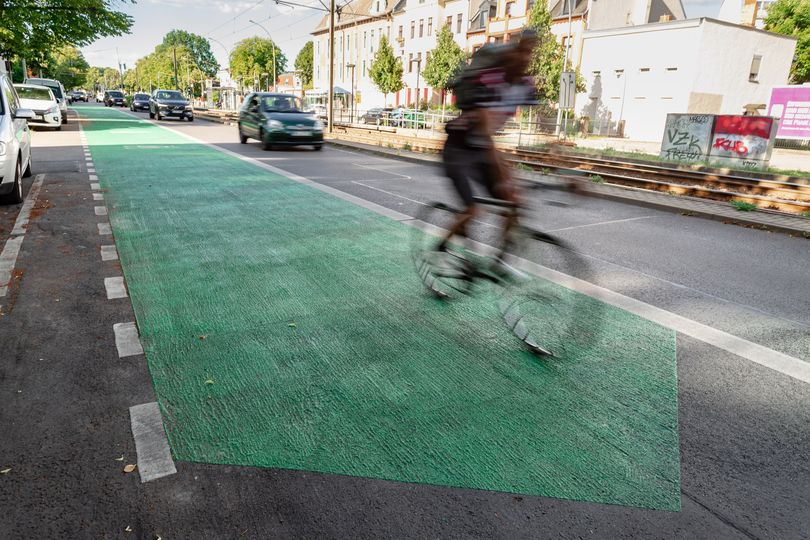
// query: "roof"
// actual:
[[672, 25], [559, 10], [353, 13]]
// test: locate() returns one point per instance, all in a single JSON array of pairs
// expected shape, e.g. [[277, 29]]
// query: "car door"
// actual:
[[252, 115], [19, 125]]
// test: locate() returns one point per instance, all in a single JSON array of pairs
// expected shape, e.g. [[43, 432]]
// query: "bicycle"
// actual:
[[549, 319]]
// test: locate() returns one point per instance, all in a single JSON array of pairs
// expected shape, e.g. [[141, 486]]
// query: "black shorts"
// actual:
[[465, 165]]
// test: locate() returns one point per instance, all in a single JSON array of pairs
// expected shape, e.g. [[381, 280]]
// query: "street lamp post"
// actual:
[[565, 67], [418, 69], [351, 119], [273, 43], [267, 78]]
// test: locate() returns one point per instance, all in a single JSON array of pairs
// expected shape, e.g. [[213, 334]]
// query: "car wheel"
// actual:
[[15, 197], [265, 142], [58, 128], [318, 147], [242, 138], [190, 118], [64, 119]]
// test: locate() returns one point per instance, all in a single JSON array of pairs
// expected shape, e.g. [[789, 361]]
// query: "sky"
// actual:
[[225, 22]]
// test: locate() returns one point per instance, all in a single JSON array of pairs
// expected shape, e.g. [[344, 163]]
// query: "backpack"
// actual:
[[477, 81]]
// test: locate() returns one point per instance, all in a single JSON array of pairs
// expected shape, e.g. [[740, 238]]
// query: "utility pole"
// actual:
[[331, 90], [120, 72], [564, 68], [176, 80], [351, 66]]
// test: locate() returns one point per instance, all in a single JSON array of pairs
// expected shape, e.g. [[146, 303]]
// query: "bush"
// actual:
[[743, 206]]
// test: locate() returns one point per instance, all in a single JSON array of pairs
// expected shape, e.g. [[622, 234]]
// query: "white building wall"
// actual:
[[648, 71], [722, 84], [638, 75], [428, 15]]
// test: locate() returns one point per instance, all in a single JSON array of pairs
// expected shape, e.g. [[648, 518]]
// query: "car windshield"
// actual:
[[141, 96], [165, 94], [54, 87], [282, 104], [26, 92], [116, 94]]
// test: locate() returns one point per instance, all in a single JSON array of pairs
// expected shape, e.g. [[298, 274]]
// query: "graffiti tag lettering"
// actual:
[[684, 140], [738, 147]]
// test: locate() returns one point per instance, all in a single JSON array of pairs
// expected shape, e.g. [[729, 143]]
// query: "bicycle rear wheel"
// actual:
[[445, 273], [549, 318]]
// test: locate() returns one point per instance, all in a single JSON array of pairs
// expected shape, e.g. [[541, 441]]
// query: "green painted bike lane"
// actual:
[[284, 327]]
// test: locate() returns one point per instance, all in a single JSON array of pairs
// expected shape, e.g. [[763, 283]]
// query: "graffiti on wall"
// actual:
[[744, 141], [687, 137]]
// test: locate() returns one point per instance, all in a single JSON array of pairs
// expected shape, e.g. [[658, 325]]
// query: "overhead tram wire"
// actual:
[[234, 17]]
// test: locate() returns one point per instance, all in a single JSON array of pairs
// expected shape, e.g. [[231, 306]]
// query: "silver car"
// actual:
[[15, 143], [58, 92]]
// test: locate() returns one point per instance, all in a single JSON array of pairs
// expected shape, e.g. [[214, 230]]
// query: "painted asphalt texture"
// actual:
[[743, 428]]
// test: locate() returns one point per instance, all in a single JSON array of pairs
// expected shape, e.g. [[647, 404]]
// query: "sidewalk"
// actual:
[[691, 206]]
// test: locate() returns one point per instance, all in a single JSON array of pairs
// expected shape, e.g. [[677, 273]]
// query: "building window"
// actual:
[[643, 70], [378, 7], [510, 9], [400, 32], [410, 62], [365, 35], [672, 69], [756, 62], [493, 11], [430, 26], [421, 27], [450, 21], [413, 29], [458, 23]]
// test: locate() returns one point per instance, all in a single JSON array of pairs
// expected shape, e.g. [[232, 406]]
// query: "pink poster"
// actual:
[[791, 106]]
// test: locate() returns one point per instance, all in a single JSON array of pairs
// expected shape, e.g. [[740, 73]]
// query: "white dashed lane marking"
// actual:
[[126, 339], [104, 229], [109, 253], [151, 445], [115, 288], [95, 186], [101, 210]]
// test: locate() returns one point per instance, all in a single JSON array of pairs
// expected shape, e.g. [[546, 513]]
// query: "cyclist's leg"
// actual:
[[458, 168]]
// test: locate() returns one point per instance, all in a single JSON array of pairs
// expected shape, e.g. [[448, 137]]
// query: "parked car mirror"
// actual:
[[24, 114]]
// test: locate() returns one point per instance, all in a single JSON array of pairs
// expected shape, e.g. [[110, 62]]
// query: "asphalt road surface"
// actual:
[[734, 300]]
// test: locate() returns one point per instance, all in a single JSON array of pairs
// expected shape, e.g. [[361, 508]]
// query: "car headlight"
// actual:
[[2, 149], [162, 106], [53, 110], [317, 126], [275, 125]]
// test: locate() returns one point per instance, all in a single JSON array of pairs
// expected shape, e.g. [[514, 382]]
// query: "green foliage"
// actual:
[[445, 60], [156, 70], [743, 206], [68, 66], [547, 58], [253, 56], [806, 214], [386, 70], [31, 29], [596, 179], [304, 62], [792, 18], [198, 48]]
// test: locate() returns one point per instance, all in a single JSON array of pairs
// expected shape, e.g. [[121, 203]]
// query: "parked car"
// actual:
[[99, 96], [140, 102], [168, 104], [15, 143], [377, 116], [114, 98], [58, 92], [278, 119], [78, 95], [41, 100], [318, 110]]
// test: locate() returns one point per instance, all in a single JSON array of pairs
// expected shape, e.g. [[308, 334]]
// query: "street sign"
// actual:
[[568, 89]]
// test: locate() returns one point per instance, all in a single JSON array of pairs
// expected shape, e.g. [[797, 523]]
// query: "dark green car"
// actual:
[[278, 120]]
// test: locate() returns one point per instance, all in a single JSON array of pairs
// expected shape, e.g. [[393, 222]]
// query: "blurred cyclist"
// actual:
[[488, 92]]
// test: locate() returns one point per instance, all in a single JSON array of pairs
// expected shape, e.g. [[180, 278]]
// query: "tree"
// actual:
[[31, 29], [253, 56], [68, 66], [445, 61], [547, 59], [303, 63], [792, 18], [386, 70], [198, 47]]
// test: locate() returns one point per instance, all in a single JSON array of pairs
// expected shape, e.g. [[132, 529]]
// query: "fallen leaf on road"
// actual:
[[120, 458], [129, 468], [202, 337], [292, 325], [128, 528], [209, 381], [5, 471]]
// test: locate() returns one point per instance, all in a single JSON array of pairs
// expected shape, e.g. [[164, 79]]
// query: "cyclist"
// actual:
[[488, 93]]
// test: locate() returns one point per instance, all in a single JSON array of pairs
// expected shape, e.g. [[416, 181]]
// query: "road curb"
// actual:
[[684, 205]]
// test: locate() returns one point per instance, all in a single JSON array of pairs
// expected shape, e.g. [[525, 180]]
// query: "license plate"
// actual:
[[301, 133]]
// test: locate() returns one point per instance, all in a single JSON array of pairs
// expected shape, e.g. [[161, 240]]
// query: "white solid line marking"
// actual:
[[101, 210], [91, 170], [405, 176], [109, 253], [95, 185], [11, 250], [25, 212], [115, 288], [388, 192], [600, 223], [126, 339], [98, 197], [8, 258], [93, 178], [104, 228], [783, 363], [151, 444]]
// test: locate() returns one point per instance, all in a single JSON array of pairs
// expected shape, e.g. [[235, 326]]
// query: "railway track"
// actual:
[[765, 191]]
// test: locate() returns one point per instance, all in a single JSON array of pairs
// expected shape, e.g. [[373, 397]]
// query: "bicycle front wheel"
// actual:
[[548, 317]]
